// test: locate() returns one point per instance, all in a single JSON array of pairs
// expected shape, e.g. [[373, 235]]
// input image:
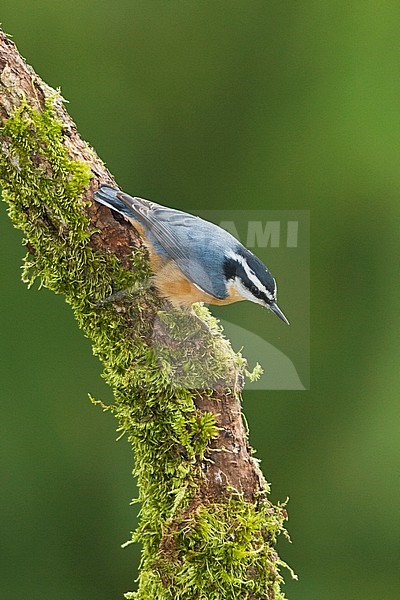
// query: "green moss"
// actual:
[[219, 551], [151, 372]]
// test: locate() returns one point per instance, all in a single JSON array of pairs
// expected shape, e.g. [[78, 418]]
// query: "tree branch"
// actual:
[[207, 527]]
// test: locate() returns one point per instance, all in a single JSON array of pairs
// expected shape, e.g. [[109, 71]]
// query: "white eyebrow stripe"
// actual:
[[252, 276]]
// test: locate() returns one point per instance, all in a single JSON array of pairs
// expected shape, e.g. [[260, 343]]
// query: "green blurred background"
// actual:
[[219, 105]]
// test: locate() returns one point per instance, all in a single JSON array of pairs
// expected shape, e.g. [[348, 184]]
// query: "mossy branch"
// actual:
[[207, 528]]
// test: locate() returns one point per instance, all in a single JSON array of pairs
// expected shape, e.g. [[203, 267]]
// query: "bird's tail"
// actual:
[[108, 196]]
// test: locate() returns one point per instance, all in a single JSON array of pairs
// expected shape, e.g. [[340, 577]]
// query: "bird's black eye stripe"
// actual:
[[241, 273], [233, 268], [256, 292]]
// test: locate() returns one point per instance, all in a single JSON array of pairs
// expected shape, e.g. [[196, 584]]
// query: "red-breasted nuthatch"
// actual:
[[194, 260]]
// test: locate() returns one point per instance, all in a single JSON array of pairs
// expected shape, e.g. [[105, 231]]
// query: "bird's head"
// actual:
[[252, 280]]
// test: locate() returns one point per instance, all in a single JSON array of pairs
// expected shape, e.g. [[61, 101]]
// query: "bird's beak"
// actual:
[[275, 308]]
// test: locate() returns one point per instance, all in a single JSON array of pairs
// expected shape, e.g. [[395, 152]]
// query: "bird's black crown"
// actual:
[[252, 273]]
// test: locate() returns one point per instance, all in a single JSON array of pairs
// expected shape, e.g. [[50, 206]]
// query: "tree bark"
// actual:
[[207, 527]]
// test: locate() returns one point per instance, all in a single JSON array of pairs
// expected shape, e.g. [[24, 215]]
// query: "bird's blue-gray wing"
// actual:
[[196, 246]]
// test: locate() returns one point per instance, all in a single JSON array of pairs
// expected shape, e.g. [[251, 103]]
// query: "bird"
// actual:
[[194, 260]]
